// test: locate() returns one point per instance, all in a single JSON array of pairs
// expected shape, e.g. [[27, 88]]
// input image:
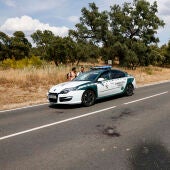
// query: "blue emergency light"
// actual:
[[101, 67]]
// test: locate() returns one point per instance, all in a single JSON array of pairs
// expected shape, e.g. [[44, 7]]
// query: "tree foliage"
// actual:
[[165, 50], [20, 45], [16, 47], [93, 26], [42, 39], [125, 32], [4, 46]]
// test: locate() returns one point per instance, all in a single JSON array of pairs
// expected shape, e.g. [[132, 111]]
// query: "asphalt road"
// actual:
[[118, 133]]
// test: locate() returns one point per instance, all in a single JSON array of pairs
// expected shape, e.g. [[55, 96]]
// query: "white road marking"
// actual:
[[134, 101], [56, 123]]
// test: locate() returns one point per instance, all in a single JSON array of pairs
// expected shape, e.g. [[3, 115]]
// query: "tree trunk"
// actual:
[[56, 63], [78, 61]]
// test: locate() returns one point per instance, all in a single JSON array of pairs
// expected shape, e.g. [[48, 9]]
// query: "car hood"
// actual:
[[70, 84]]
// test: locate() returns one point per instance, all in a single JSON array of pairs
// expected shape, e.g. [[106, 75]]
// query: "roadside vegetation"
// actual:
[[29, 85], [125, 35]]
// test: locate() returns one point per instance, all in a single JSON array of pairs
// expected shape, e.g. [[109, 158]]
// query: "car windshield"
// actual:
[[87, 76]]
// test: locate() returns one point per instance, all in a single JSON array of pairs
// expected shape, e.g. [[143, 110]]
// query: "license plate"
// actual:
[[52, 96]]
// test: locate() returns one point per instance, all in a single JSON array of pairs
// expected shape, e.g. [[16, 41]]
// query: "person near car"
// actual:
[[81, 71], [72, 74]]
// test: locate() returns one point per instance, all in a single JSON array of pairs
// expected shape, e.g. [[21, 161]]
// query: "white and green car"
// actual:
[[92, 85]]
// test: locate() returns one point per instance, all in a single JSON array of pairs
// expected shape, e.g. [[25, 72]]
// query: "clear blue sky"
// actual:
[[61, 15]]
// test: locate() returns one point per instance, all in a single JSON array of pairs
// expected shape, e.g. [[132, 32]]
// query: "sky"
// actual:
[[61, 15]]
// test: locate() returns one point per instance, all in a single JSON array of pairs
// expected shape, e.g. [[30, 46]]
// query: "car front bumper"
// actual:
[[72, 97]]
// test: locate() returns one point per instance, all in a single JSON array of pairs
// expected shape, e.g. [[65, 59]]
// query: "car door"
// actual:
[[118, 81], [104, 87]]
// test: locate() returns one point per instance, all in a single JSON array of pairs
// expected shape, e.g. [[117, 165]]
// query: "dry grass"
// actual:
[[32, 77], [29, 86], [147, 75]]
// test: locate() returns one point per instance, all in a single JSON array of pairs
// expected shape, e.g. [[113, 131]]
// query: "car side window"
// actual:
[[105, 75], [117, 74]]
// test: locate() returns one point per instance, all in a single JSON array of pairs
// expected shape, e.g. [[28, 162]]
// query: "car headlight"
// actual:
[[68, 90]]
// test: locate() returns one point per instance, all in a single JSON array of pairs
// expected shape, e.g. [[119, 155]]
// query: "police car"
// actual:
[[99, 82]]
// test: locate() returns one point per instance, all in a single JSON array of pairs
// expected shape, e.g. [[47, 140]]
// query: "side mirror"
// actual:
[[100, 79]]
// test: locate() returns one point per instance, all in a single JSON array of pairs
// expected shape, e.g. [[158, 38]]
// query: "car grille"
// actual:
[[52, 97]]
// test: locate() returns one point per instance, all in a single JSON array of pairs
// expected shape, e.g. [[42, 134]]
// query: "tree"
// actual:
[[43, 39], [136, 22], [131, 60], [54, 48], [156, 57], [166, 53], [93, 26], [86, 52], [71, 50], [128, 27], [57, 50], [4, 46], [20, 46]]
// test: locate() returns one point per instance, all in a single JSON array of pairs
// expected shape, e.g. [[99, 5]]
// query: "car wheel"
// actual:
[[129, 90], [88, 98]]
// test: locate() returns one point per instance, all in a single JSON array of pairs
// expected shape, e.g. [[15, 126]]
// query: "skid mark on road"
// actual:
[[126, 112], [110, 130]]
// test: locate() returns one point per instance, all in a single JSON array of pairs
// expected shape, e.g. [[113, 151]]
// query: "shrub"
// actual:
[[35, 61], [20, 64], [9, 63]]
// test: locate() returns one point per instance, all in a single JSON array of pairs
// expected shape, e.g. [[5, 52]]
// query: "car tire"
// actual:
[[129, 90], [88, 98]]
